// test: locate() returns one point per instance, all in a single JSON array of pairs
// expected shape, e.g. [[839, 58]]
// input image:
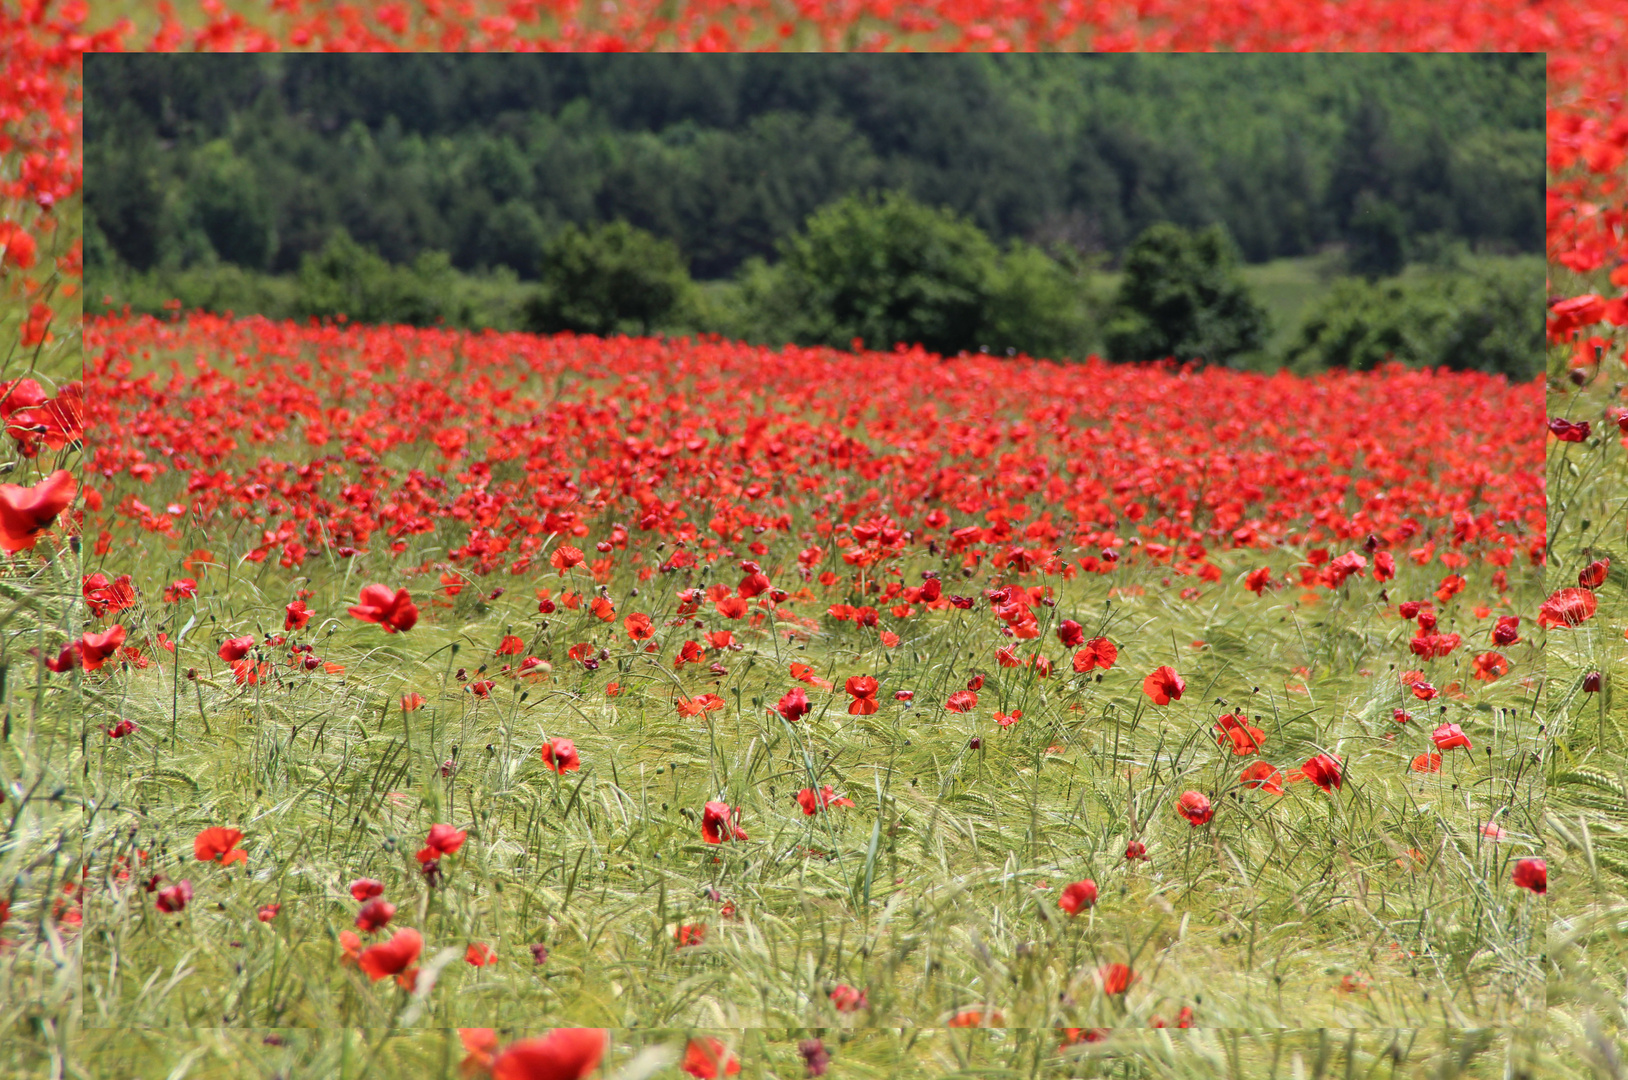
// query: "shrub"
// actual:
[[1182, 296], [609, 279], [346, 278], [886, 269], [1485, 318]]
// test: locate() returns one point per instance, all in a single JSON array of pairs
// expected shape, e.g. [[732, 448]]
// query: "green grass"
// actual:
[[935, 893]]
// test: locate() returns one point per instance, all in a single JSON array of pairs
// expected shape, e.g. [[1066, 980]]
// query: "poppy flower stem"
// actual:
[[202, 715], [175, 695]]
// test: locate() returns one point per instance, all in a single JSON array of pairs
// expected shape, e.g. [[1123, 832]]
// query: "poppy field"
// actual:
[[449, 680], [407, 702]]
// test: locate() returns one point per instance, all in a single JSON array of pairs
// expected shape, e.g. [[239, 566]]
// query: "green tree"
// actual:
[[1182, 296], [609, 279], [347, 278], [886, 270], [230, 205], [1376, 238], [1485, 318]]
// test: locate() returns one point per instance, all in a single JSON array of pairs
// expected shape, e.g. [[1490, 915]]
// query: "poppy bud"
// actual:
[[976, 743], [1591, 682]]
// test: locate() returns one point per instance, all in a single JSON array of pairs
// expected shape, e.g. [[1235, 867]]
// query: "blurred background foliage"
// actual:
[[1310, 210]]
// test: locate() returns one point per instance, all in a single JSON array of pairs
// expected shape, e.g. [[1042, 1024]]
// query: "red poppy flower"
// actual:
[[268, 912], [1075, 1036], [66, 660], [1262, 775], [174, 898], [639, 627], [1568, 608], [480, 1046], [511, 645], [1505, 631], [1163, 685], [20, 251], [104, 597], [219, 843], [1115, 978], [366, 889], [1566, 431], [717, 819], [236, 648], [565, 557], [961, 701], [815, 1057], [705, 703], [296, 615], [1078, 896], [827, 796], [375, 915], [1324, 770], [443, 840], [1427, 763], [708, 1058], [848, 999], [479, 954], [393, 957], [412, 702], [1194, 807], [94, 649], [26, 512], [392, 611], [1258, 581], [1489, 666], [863, 688], [562, 1054], [969, 1018], [1593, 575], [1008, 719], [1135, 850], [1448, 736], [1424, 691], [561, 756], [1244, 738], [1532, 874], [1070, 633], [975, 683], [1434, 646], [793, 705]]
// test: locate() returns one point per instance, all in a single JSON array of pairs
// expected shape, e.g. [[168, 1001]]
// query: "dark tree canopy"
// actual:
[[258, 160], [1182, 297]]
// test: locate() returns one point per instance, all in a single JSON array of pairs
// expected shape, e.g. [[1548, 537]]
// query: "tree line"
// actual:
[[962, 203], [257, 161]]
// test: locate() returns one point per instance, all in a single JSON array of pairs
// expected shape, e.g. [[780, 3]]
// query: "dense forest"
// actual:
[[194, 160]]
